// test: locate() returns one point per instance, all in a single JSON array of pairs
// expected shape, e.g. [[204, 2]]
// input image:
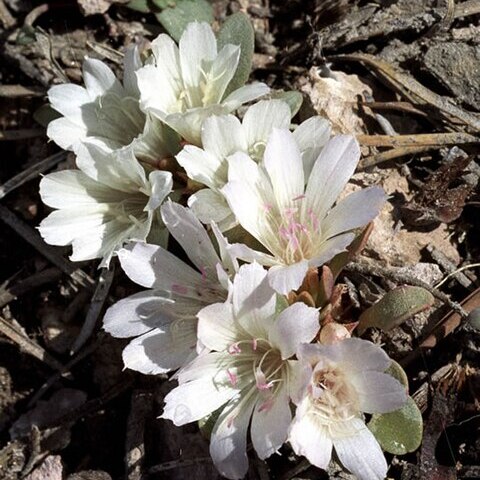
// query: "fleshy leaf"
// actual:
[[281, 304], [175, 19], [395, 307], [238, 30], [292, 98], [398, 373], [398, 432], [207, 423], [139, 6]]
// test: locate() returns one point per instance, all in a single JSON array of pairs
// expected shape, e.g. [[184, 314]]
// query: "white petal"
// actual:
[[331, 171], [188, 124], [356, 353], [354, 211], [361, 453], [248, 194], [229, 261], [159, 87], [378, 392], [285, 278], [216, 326], [161, 184], [247, 254], [152, 266], [135, 315], [261, 118], [253, 299], [295, 325], [192, 236], [194, 400], [61, 227], [329, 248], [209, 206], [269, 428], [300, 374], [161, 351], [245, 94], [69, 100], [310, 439], [131, 63], [118, 170], [228, 446], [283, 162], [73, 189], [198, 47], [202, 166], [205, 365], [65, 133], [311, 136], [221, 72], [222, 136], [99, 78]]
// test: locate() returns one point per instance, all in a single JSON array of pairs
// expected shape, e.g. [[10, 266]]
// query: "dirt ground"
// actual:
[[403, 76]]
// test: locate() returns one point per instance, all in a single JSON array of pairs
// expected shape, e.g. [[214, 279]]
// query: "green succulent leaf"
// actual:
[[281, 304], [395, 307], [398, 432], [292, 98], [45, 114], [398, 373], [238, 30], [207, 423], [175, 19]]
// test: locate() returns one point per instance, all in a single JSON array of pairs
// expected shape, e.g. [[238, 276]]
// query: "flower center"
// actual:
[[334, 400], [295, 229]]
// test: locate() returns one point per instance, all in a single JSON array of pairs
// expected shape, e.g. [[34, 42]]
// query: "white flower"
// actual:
[[294, 222], [106, 203], [248, 372], [108, 113], [163, 318], [346, 379], [184, 85], [224, 135]]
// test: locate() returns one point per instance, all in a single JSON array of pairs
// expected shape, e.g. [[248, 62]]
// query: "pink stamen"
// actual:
[[254, 344], [181, 289], [300, 197], [230, 421], [268, 207], [261, 381], [234, 349], [203, 271], [232, 378]]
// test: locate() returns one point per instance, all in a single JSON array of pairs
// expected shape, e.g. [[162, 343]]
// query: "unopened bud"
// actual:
[[333, 333]]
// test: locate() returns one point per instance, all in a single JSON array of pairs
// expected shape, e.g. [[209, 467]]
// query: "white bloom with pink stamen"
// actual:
[[291, 214], [224, 135], [249, 371], [163, 318], [346, 379]]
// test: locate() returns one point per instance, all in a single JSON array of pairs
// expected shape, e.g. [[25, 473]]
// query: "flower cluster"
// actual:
[[252, 201]]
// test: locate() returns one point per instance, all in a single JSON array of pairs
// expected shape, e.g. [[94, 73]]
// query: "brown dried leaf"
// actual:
[[442, 197]]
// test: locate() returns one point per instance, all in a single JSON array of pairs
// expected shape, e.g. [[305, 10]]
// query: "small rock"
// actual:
[[429, 273], [90, 475], [456, 66], [51, 469]]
